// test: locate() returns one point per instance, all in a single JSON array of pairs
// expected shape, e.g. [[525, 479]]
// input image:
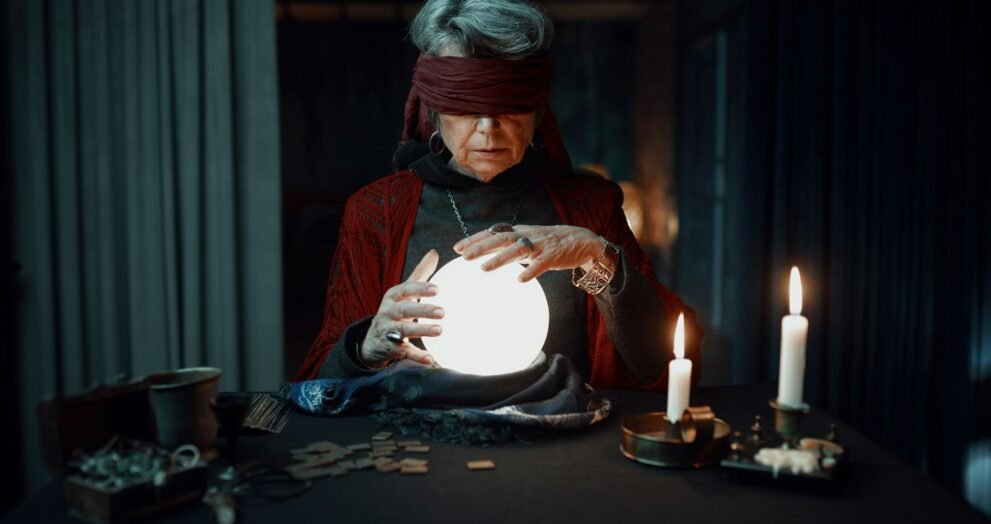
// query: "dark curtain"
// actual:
[[145, 195], [866, 154], [8, 384]]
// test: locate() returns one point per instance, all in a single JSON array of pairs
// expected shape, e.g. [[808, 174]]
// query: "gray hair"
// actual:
[[504, 29]]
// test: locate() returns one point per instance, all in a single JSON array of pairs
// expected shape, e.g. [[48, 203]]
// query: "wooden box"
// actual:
[[135, 501]]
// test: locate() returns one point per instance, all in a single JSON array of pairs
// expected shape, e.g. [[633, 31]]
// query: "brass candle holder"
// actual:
[[788, 421], [697, 440]]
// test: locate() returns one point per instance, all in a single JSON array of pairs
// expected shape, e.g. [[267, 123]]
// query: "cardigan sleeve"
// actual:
[[631, 310]]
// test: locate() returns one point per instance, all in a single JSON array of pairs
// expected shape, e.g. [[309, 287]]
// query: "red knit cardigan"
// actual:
[[371, 251]]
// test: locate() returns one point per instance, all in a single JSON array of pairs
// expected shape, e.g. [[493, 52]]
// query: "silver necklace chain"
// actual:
[[461, 221]]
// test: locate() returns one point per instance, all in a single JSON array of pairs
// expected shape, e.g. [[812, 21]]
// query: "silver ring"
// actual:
[[525, 242], [501, 227], [394, 336]]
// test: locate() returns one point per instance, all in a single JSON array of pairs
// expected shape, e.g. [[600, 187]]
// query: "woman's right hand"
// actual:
[[397, 312]]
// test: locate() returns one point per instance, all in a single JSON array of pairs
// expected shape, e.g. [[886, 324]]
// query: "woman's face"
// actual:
[[482, 146]]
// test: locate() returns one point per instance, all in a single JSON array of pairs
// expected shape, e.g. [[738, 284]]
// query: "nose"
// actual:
[[486, 123]]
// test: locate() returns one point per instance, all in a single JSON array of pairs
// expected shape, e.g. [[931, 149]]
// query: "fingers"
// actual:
[[408, 310], [377, 348], [416, 329], [463, 244], [516, 251], [394, 352], [489, 244], [411, 290], [411, 352], [537, 267], [426, 267], [554, 248]]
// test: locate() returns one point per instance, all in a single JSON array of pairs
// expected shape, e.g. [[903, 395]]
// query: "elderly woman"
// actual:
[[481, 170]]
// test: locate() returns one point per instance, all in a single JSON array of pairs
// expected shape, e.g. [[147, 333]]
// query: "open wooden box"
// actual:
[[85, 423]]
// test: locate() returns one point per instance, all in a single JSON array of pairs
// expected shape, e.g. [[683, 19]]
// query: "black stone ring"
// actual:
[[525, 242], [394, 336], [501, 227]]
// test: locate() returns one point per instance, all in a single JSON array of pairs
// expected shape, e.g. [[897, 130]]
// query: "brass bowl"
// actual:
[[646, 440]]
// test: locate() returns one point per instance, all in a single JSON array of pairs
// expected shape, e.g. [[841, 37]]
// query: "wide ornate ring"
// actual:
[[394, 336], [525, 242], [501, 227]]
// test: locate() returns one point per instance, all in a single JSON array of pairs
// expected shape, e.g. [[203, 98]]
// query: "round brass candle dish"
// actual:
[[646, 439]]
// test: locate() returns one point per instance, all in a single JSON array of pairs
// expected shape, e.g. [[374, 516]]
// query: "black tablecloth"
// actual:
[[574, 478]]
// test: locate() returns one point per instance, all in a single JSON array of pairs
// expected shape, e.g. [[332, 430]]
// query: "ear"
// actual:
[[427, 123], [537, 142], [538, 117]]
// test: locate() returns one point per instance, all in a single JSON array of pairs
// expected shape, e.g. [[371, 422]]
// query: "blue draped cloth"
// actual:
[[445, 405]]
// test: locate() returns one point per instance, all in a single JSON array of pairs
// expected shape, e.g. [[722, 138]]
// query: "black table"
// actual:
[[574, 478]]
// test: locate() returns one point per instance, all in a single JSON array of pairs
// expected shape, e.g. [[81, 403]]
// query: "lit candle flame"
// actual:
[[795, 292], [679, 337]]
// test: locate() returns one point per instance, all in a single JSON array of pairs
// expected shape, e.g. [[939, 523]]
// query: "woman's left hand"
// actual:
[[554, 248]]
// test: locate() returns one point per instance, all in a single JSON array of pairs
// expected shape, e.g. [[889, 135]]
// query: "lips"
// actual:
[[490, 152]]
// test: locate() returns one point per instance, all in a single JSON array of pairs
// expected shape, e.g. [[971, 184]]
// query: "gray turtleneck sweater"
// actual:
[[629, 305]]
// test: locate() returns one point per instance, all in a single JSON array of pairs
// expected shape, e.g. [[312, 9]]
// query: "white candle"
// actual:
[[679, 375], [794, 331]]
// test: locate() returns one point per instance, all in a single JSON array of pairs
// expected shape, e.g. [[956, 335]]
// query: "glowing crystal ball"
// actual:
[[493, 323]]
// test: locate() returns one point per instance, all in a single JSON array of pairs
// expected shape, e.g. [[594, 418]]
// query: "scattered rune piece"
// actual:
[[347, 464], [412, 462], [479, 465], [305, 457], [320, 446], [382, 461], [389, 468], [413, 470], [364, 463], [381, 453], [417, 449], [364, 446], [384, 444], [405, 443], [322, 460], [382, 435]]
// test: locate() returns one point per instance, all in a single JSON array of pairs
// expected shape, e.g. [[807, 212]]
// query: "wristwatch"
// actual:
[[601, 271]]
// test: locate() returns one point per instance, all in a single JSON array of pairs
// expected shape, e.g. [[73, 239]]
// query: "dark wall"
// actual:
[[709, 138], [594, 93], [342, 88]]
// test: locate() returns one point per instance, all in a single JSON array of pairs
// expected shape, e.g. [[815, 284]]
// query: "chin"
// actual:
[[489, 170]]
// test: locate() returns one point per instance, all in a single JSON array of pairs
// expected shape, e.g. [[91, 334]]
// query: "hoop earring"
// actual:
[[436, 143], [536, 143]]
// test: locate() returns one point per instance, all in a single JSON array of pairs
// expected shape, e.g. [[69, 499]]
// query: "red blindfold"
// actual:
[[482, 86]]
